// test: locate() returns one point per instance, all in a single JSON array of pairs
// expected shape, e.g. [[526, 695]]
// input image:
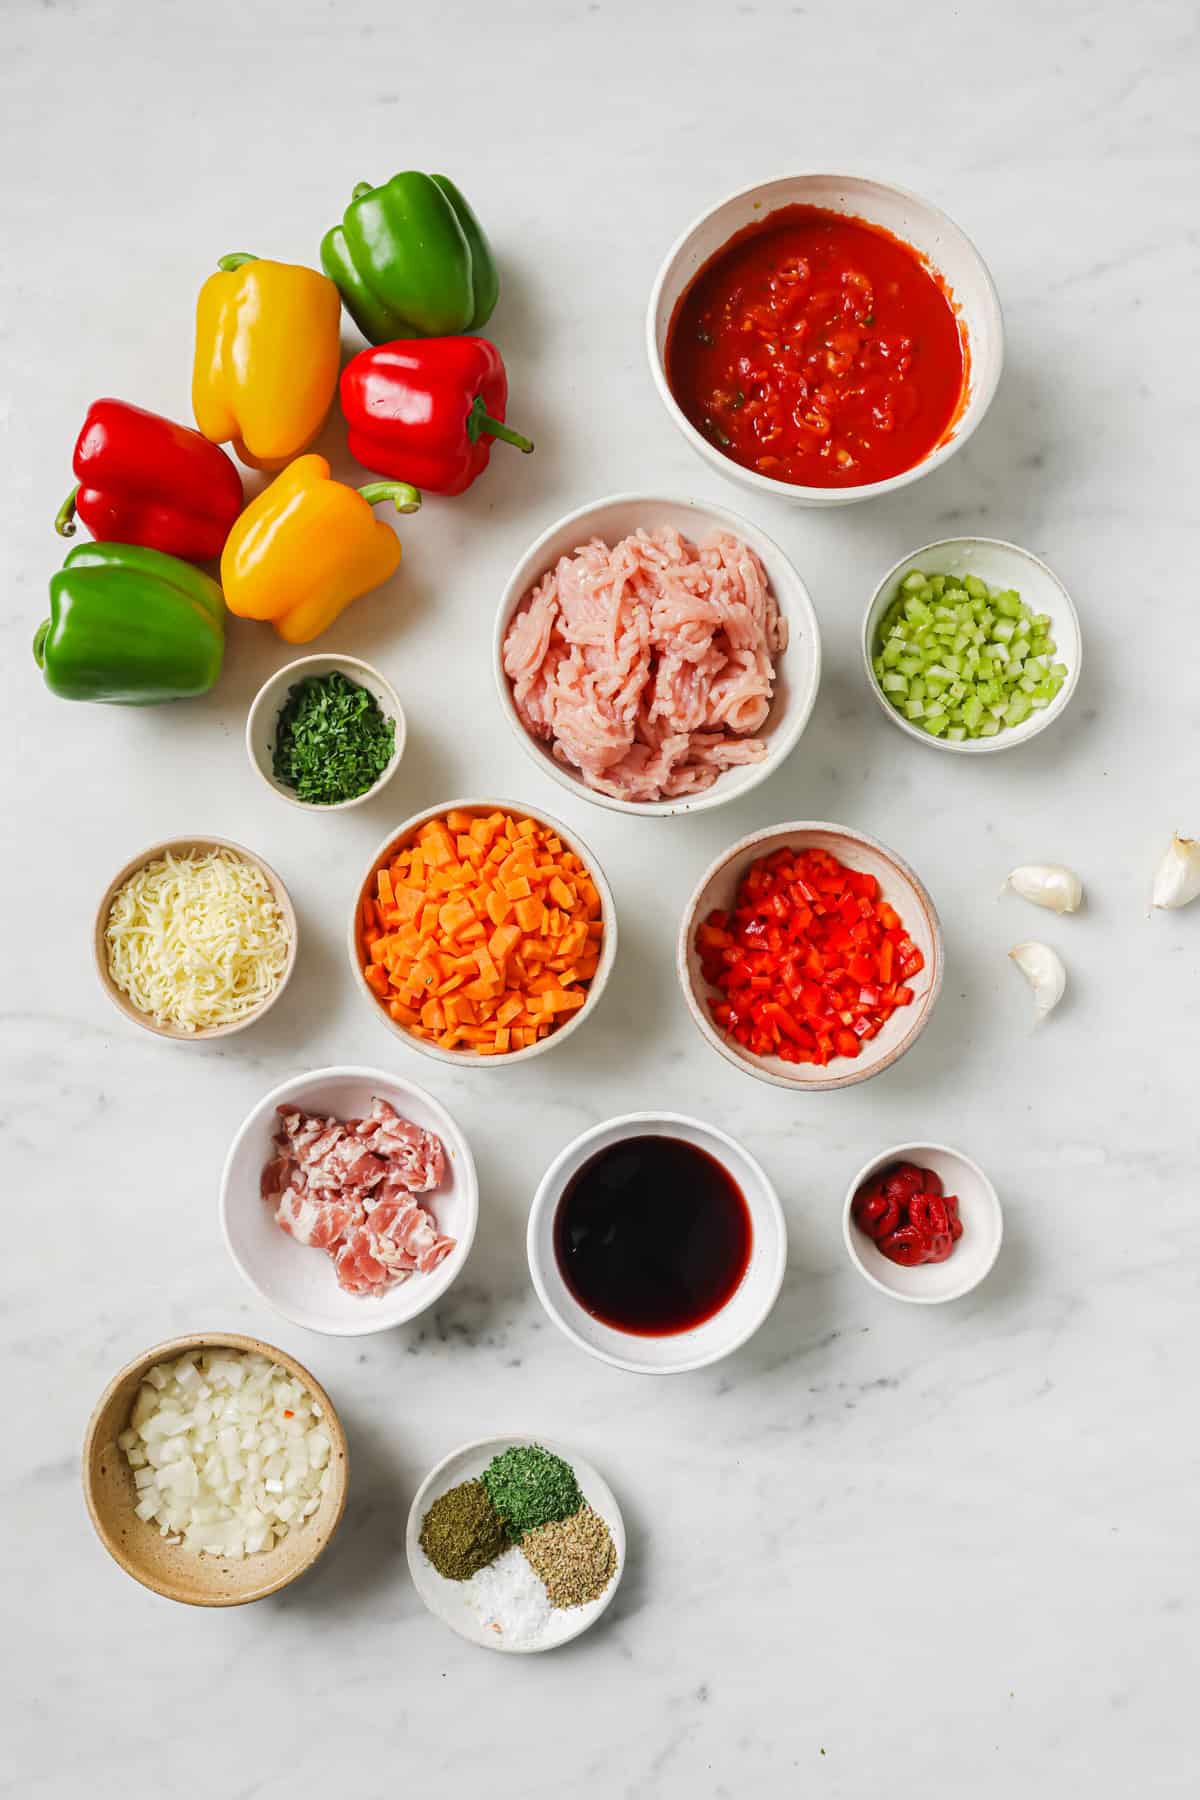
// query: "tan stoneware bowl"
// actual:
[[898, 885], [181, 847], [137, 1545], [407, 832]]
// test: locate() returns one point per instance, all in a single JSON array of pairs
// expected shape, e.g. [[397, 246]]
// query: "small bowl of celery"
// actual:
[[972, 645]]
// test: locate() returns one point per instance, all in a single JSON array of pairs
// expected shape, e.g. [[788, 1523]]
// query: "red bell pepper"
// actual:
[[425, 410], [804, 963], [145, 480]]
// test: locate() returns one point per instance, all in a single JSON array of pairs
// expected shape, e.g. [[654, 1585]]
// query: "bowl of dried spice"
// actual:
[[326, 733], [516, 1544]]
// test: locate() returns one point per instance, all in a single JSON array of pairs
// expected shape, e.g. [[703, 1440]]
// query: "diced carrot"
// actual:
[[530, 913], [484, 933]]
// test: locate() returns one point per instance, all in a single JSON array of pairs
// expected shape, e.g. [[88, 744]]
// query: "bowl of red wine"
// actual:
[[657, 1243]]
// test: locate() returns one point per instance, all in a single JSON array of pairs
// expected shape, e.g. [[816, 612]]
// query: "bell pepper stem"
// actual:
[[39, 643], [235, 259], [64, 518], [406, 499], [361, 188], [479, 419]]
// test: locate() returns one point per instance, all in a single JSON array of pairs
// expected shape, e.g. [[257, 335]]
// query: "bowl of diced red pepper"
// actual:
[[810, 956], [922, 1222]]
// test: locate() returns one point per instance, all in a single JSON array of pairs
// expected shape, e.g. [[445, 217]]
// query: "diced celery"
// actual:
[[1018, 710], [1019, 649], [893, 650], [878, 664], [914, 579], [910, 665], [916, 688], [935, 726], [1059, 669], [913, 709], [898, 684], [956, 733], [1008, 604], [989, 728], [976, 588], [1003, 630], [972, 711]]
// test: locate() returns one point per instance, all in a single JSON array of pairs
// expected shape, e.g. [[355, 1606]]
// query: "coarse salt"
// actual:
[[509, 1599]]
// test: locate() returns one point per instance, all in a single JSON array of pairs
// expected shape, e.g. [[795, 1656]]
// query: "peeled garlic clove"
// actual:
[[1043, 969], [1047, 884], [1177, 878]]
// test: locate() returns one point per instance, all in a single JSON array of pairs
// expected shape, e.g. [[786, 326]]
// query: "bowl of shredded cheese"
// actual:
[[195, 938]]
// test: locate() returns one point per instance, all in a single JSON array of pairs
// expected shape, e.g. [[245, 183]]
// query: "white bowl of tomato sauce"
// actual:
[[825, 338]]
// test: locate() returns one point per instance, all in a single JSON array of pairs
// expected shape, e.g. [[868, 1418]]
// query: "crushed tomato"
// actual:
[[816, 348], [810, 961]]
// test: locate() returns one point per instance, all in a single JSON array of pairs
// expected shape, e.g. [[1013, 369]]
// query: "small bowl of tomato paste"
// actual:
[[922, 1222], [825, 338]]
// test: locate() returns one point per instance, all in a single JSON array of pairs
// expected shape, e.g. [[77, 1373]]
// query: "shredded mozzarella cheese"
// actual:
[[196, 941]]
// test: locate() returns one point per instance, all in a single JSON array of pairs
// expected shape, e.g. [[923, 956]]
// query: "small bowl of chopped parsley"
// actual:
[[326, 732]]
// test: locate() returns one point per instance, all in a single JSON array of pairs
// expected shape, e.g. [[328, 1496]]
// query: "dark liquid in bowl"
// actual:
[[652, 1235]]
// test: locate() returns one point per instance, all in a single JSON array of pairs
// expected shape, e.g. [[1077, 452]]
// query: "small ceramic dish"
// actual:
[[798, 668], [681, 1351], [450, 1600], [936, 239], [272, 698], [182, 847], [395, 841], [973, 1255], [1001, 566], [898, 884], [138, 1545], [299, 1281]]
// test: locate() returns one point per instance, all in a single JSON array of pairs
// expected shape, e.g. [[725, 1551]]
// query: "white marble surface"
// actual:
[[882, 1550]]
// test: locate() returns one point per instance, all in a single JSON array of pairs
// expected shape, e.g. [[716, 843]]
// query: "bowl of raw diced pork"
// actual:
[[349, 1200], [656, 655]]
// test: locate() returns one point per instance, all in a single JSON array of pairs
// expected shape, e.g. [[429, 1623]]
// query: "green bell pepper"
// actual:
[[130, 625], [411, 260]]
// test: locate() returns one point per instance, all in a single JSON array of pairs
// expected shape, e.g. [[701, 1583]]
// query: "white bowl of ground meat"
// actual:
[[656, 655]]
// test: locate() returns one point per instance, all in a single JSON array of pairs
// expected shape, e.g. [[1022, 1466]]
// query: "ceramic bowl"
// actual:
[[976, 1250], [935, 237], [396, 840], [798, 669], [898, 885], [681, 1351], [1000, 565], [182, 847], [271, 699], [298, 1281], [139, 1546], [448, 1600]]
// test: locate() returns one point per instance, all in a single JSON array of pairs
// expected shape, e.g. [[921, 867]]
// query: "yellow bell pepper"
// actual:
[[267, 355], [307, 546]]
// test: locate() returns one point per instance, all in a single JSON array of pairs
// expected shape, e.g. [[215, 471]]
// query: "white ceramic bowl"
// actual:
[[899, 886], [447, 1599], [973, 1255], [295, 1279], [798, 670], [1000, 565], [395, 841], [938, 240], [743, 1312], [271, 699]]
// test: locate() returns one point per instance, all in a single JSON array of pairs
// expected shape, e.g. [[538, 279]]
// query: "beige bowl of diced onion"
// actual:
[[120, 1482]]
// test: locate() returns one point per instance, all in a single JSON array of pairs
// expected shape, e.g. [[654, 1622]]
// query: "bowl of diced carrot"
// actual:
[[483, 932]]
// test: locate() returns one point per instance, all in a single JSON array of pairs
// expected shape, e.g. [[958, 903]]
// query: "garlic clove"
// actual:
[[1177, 878], [1043, 969], [1048, 884]]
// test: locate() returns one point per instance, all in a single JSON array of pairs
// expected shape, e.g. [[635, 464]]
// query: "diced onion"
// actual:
[[227, 1451]]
